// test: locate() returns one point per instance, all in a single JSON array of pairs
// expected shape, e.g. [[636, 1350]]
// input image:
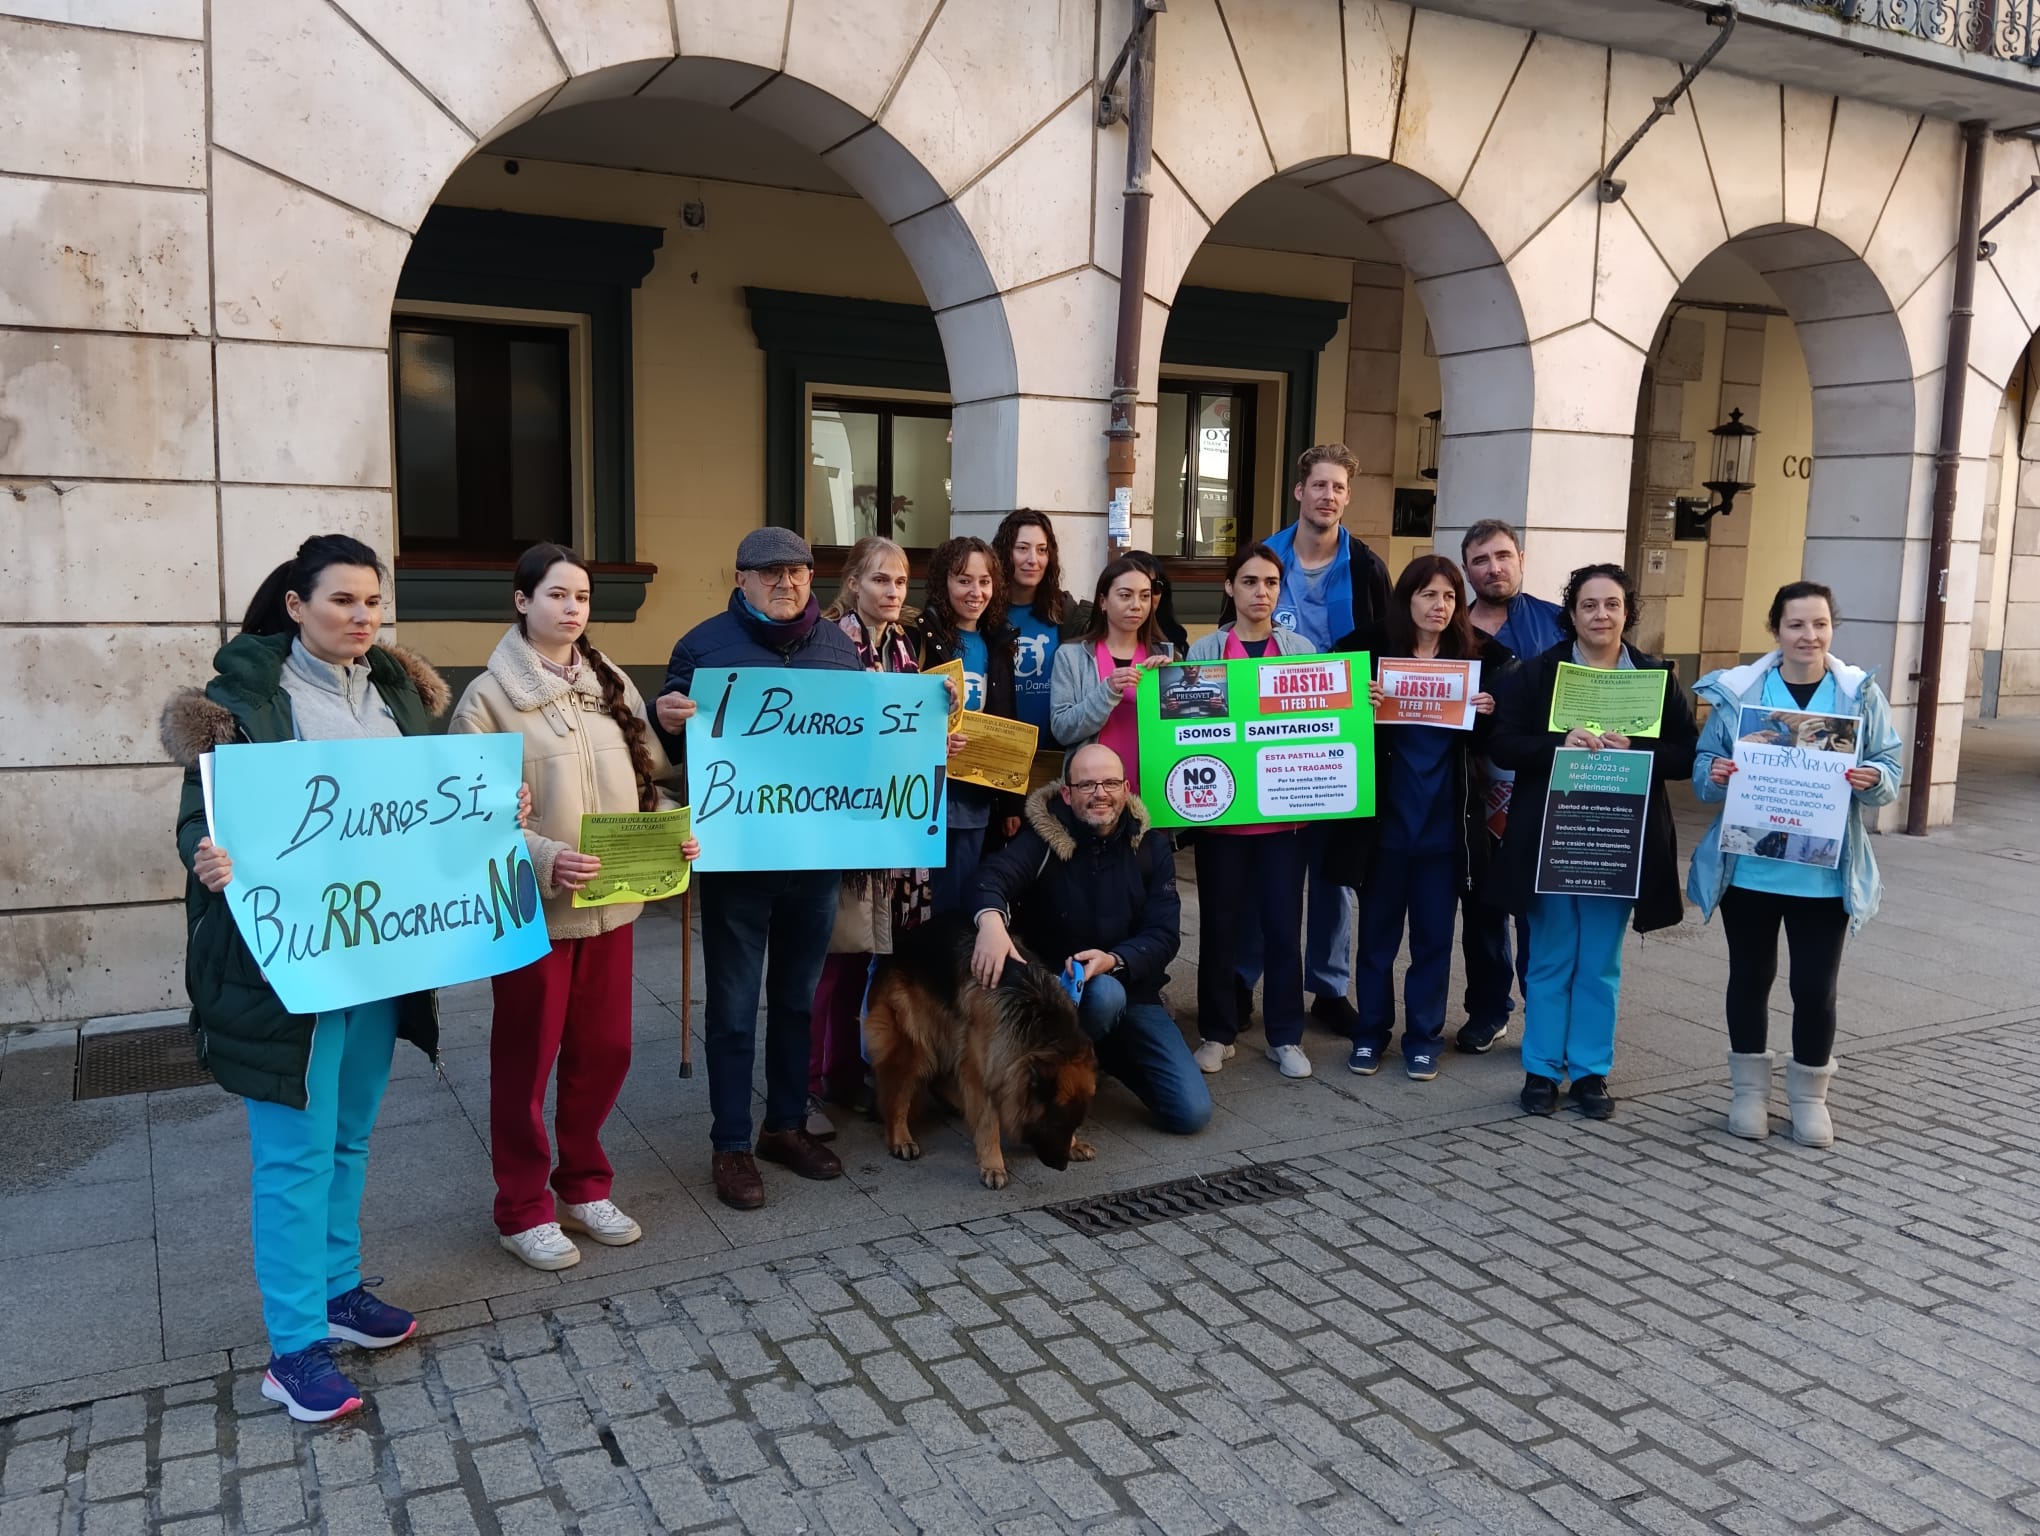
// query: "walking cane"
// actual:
[[687, 981]]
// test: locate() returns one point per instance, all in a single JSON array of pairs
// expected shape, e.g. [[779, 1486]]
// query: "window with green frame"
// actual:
[[877, 466]]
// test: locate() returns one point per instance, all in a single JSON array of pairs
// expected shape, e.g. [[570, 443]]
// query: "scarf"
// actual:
[[770, 632]]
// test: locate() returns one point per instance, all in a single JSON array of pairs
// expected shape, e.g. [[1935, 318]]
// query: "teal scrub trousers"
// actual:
[[310, 1166], [1574, 986]]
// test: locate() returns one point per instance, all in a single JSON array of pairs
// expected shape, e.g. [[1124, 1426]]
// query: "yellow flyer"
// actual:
[[954, 671], [640, 854], [997, 753], [1630, 702]]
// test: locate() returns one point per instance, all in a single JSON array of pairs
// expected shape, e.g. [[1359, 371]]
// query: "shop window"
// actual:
[[484, 436], [877, 467], [1204, 469]]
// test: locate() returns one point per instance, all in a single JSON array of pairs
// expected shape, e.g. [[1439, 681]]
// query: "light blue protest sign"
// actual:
[[791, 769], [368, 869]]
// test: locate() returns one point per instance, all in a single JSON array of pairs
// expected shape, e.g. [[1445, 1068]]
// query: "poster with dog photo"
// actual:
[[1789, 796]]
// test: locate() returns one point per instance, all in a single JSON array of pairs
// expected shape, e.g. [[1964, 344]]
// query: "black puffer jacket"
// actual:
[[255, 1046], [1523, 741], [1064, 888], [937, 645]]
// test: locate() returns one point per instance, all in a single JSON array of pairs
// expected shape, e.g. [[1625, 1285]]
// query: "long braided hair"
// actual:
[[532, 568]]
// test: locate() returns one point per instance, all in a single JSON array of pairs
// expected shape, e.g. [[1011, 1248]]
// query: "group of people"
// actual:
[[1074, 872]]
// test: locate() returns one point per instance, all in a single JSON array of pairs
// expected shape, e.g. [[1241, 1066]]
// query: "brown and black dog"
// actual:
[[1013, 1060]]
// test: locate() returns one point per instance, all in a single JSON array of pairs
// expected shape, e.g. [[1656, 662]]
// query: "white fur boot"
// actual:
[[1806, 1091], [1749, 1108]]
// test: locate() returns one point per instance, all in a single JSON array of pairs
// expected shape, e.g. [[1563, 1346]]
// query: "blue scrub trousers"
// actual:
[[310, 1166], [1575, 985], [1420, 890]]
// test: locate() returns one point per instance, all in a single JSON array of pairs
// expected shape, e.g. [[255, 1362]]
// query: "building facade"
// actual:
[[641, 274]]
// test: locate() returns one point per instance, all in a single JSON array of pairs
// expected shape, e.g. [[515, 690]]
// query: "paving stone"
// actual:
[[441, 1514], [360, 1511], [270, 1500], [39, 1514], [187, 1431]]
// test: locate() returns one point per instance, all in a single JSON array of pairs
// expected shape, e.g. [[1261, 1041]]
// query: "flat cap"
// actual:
[[765, 547]]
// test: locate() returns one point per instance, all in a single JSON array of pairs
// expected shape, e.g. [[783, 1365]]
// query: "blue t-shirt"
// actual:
[[1416, 812], [1776, 876], [1031, 661], [977, 657], [970, 805], [1304, 605]]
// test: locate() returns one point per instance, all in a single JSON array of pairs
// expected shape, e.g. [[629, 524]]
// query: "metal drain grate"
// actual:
[[139, 1061], [1179, 1197]]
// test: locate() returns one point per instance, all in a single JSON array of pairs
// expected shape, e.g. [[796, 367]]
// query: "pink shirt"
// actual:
[[1234, 651], [1121, 731]]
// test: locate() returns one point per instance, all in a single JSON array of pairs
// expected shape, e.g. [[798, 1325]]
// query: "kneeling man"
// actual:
[[1088, 881]]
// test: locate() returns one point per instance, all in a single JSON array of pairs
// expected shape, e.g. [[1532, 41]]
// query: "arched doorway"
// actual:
[[1788, 331]]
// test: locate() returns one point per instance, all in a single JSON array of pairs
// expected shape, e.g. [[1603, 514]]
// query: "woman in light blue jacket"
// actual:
[[1759, 890]]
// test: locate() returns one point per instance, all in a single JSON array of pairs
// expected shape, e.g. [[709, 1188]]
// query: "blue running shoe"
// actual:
[[1365, 1060], [361, 1318], [1422, 1066], [307, 1384]]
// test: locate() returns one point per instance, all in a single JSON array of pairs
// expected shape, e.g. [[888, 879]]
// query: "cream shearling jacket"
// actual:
[[575, 760]]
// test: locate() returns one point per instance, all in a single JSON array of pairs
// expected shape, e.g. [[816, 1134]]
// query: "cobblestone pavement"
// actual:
[[1514, 1326]]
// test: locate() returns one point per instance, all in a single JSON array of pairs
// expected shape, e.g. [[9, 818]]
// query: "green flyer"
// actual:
[[1259, 740], [1630, 702], [640, 854]]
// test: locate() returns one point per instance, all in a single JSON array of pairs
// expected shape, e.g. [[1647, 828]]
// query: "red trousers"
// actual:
[[836, 1041], [573, 1007]]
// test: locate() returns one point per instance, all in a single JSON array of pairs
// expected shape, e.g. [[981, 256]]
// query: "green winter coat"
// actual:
[[253, 1046]]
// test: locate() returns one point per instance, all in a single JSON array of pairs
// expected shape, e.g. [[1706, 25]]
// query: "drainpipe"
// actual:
[[1138, 109], [1947, 461]]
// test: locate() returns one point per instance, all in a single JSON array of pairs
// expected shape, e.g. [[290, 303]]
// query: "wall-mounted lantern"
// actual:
[[1735, 458], [1427, 444]]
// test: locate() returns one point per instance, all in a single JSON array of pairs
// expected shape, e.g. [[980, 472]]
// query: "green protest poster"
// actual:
[[1603, 699], [1247, 742]]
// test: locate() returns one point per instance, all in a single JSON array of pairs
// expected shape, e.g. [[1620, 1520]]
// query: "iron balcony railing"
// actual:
[[2000, 29]]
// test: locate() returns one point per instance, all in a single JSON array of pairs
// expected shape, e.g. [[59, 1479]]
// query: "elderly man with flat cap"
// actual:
[[768, 927]]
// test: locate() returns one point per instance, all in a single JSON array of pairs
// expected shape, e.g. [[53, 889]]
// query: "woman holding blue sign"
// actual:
[[1426, 847], [873, 903], [588, 751], [1819, 908], [304, 668], [965, 620], [1570, 1005]]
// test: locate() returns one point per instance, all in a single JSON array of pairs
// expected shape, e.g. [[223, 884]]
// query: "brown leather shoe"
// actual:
[[799, 1151], [737, 1181]]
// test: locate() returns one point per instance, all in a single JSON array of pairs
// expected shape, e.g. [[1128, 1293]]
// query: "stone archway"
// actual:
[[322, 232]]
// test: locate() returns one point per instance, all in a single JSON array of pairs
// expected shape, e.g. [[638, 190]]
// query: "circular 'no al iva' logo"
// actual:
[[1200, 788]]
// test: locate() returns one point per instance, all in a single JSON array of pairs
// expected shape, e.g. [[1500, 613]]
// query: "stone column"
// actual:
[[1374, 329], [110, 532]]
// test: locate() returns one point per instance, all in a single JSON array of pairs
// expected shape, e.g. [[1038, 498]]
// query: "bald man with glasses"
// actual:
[[1089, 885]]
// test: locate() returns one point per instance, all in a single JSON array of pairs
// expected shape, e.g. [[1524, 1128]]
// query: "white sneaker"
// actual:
[[1211, 1055], [544, 1246], [819, 1125], [601, 1220], [1290, 1059]]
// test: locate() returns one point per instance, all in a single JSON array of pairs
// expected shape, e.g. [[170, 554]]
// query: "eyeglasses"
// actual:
[[1093, 786], [783, 575]]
